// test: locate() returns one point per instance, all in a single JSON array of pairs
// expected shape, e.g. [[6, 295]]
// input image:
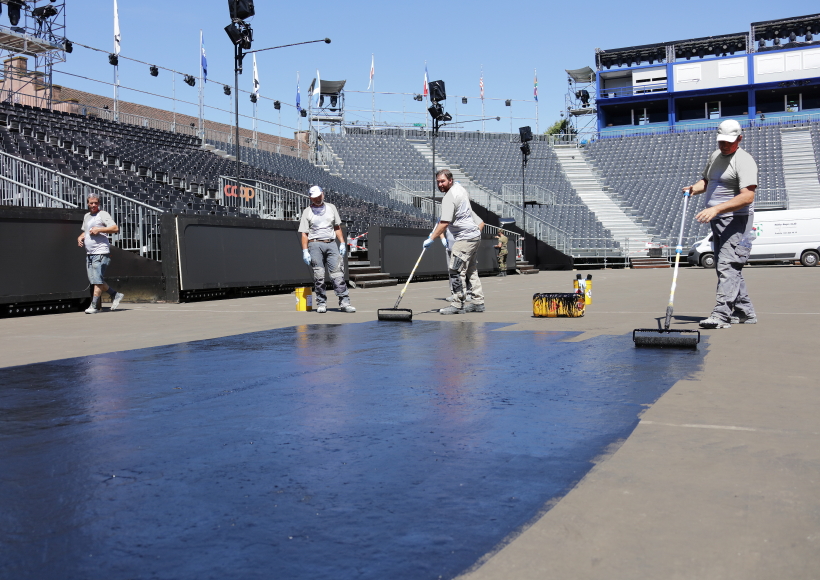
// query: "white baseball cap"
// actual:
[[315, 191], [729, 130]]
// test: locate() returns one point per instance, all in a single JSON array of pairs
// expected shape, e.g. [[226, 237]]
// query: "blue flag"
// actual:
[[203, 59]]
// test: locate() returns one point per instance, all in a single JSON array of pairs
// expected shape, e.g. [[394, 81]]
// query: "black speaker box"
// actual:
[[241, 9], [525, 133], [437, 92]]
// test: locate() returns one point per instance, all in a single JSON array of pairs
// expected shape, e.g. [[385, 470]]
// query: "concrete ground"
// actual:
[[718, 481]]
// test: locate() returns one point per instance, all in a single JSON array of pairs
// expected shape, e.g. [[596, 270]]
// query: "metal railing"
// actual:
[[261, 198], [27, 184], [511, 193], [632, 90], [513, 239]]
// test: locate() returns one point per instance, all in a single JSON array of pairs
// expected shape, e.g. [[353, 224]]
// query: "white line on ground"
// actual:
[[699, 426]]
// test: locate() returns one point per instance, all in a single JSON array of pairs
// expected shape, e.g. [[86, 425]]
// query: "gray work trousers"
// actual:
[[326, 254], [464, 267], [732, 296]]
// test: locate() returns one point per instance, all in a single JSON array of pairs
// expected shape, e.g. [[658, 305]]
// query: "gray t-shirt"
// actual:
[[97, 244], [456, 209], [449, 235], [318, 222], [726, 175]]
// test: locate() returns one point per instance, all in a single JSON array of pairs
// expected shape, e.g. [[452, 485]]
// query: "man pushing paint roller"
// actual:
[[457, 218], [729, 182]]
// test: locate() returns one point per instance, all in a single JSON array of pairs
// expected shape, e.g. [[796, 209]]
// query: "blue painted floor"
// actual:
[[374, 451]]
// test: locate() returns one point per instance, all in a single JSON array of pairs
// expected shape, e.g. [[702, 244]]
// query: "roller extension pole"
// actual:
[[678, 250], [396, 313], [403, 290]]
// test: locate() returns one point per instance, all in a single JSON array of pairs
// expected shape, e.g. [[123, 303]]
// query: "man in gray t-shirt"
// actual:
[[729, 182], [97, 224], [319, 227], [457, 218]]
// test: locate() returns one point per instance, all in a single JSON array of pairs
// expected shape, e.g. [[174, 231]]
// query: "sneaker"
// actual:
[[473, 308], [742, 320], [347, 308], [92, 310], [321, 309], [451, 298], [116, 302], [713, 322], [451, 310]]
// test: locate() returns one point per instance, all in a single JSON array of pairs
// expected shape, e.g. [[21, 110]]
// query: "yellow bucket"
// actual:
[[304, 299], [555, 304]]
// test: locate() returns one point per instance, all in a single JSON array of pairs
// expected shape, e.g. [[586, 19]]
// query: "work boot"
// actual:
[[472, 307], [742, 319], [321, 309], [452, 310], [713, 322]]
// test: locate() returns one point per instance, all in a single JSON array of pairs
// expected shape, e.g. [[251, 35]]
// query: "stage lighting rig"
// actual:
[[153, 70], [14, 11]]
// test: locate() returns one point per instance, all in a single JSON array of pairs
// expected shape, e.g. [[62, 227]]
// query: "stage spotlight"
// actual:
[[701, 53], [792, 36], [334, 101], [327, 41], [113, 59], [277, 105], [463, 100], [226, 89], [776, 41], [761, 43], [241, 9], [253, 98], [809, 36], [14, 11], [508, 103], [68, 47], [418, 98], [153, 70], [189, 80], [303, 112]]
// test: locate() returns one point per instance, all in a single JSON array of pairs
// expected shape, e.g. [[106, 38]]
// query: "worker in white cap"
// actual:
[[729, 182], [319, 227]]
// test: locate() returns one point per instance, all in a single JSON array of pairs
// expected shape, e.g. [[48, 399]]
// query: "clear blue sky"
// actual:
[[510, 40]]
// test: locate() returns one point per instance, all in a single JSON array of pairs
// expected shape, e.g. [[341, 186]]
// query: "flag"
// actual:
[[298, 97], [255, 78], [426, 82], [535, 89], [203, 60], [117, 37], [481, 84], [318, 92], [372, 70]]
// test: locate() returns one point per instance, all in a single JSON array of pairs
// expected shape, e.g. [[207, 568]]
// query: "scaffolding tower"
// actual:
[[580, 102], [39, 34]]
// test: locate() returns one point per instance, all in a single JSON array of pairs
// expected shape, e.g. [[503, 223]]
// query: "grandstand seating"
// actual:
[[169, 171], [648, 173]]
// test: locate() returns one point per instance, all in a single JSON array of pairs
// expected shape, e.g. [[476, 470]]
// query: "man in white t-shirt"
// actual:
[[97, 224], [319, 226], [448, 240], [457, 217]]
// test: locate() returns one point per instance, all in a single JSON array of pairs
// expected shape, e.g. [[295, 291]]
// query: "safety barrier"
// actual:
[[266, 200]]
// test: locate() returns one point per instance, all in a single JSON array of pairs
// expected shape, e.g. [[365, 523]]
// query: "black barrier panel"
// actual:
[[239, 252], [396, 250], [39, 256]]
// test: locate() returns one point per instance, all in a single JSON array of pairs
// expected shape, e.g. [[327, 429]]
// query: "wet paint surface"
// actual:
[[374, 450]]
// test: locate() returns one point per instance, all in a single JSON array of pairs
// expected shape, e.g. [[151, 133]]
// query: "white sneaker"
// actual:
[[347, 308], [713, 322], [91, 310], [321, 309], [116, 302]]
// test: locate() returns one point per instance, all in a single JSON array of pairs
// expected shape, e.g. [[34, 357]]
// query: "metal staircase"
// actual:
[[800, 168]]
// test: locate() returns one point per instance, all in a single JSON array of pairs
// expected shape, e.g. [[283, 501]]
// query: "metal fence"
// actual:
[[511, 193], [268, 201], [26, 184]]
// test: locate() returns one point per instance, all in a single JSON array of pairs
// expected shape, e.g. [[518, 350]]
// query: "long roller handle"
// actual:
[[410, 277], [678, 250]]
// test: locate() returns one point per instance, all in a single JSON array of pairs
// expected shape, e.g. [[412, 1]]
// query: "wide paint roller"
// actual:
[[664, 337], [396, 313]]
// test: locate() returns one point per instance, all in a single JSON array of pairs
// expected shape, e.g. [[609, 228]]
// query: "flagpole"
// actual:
[[201, 93], [373, 85], [536, 102], [483, 128], [117, 67]]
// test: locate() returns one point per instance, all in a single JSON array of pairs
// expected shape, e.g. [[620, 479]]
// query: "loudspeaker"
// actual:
[[241, 9], [525, 133], [437, 92]]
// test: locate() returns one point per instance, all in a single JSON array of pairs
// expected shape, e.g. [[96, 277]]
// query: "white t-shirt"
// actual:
[[97, 244], [726, 175], [318, 222], [456, 209], [449, 235]]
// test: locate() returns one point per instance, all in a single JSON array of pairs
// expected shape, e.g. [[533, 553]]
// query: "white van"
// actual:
[[782, 236]]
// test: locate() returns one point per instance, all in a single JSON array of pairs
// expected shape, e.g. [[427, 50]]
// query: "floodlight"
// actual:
[[303, 112], [153, 70], [277, 105], [189, 80], [334, 101], [67, 46], [418, 98], [226, 89], [253, 97], [113, 59]]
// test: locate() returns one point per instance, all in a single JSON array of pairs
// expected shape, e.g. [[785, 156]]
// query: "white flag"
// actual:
[[255, 78], [372, 70], [318, 91], [116, 29]]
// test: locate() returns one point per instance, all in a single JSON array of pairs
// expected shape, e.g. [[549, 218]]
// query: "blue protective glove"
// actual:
[[342, 249], [427, 243], [306, 257], [444, 243]]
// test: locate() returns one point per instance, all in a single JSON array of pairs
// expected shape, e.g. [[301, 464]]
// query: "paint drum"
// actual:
[[660, 338], [395, 314]]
